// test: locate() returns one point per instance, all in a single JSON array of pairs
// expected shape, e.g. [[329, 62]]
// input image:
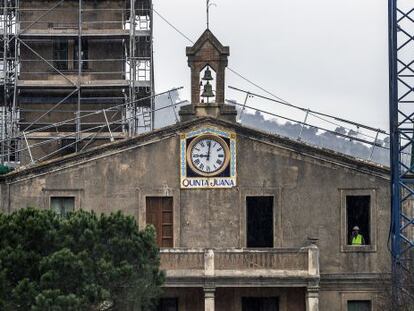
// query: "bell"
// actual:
[[207, 75], [208, 90]]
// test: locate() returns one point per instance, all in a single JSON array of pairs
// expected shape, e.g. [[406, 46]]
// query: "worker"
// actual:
[[356, 237]]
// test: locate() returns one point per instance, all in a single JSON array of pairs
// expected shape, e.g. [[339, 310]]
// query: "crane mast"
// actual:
[[401, 74]]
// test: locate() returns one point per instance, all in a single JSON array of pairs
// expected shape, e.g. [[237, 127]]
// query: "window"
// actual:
[[65, 54], [84, 54], [62, 205], [358, 215], [67, 146], [259, 221], [160, 214], [358, 208], [359, 305], [60, 54], [168, 304], [143, 46], [260, 304]]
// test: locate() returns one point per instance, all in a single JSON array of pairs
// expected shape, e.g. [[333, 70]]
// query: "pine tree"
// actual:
[[81, 262]]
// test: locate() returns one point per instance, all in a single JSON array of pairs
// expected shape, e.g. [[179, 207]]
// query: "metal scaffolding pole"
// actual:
[[152, 69], [78, 112], [133, 64], [4, 69]]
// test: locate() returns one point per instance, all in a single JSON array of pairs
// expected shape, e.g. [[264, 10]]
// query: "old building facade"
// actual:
[[245, 220], [74, 68]]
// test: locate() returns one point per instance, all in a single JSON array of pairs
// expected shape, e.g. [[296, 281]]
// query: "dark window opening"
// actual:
[[259, 221], [160, 214], [67, 146], [260, 304], [60, 54], [168, 304], [84, 54], [143, 45], [66, 54], [359, 305], [62, 205], [13, 147], [358, 215]]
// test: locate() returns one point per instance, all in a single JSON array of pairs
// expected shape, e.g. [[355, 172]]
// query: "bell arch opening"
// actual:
[[208, 85]]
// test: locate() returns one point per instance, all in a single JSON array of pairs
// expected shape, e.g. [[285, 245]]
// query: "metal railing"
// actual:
[[106, 125], [318, 129]]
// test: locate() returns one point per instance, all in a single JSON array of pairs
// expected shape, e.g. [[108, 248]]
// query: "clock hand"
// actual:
[[209, 148]]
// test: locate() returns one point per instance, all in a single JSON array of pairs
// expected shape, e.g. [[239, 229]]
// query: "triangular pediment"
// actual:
[[208, 36], [157, 136]]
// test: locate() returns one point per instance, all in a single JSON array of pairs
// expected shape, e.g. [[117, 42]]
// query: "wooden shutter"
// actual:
[[160, 215]]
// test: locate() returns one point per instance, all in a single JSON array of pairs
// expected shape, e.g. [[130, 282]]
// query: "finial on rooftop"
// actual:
[[209, 4]]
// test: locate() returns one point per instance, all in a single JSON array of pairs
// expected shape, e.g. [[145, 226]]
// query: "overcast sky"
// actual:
[[326, 55]]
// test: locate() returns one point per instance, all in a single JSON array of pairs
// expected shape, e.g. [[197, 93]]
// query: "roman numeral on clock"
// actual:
[[208, 155]]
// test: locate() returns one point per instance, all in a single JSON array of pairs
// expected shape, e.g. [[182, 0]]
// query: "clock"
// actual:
[[208, 155]]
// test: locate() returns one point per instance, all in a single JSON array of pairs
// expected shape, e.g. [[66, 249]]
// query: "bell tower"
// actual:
[[208, 60]]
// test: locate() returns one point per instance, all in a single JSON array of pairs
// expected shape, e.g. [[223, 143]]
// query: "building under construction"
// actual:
[[74, 73], [245, 220]]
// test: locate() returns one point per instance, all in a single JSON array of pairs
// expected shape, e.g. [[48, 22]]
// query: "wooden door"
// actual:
[[160, 215]]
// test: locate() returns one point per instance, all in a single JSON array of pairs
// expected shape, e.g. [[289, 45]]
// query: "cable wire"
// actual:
[[281, 100], [175, 28], [228, 68]]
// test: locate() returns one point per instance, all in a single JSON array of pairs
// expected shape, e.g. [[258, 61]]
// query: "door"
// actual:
[[260, 304], [160, 215], [168, 304]]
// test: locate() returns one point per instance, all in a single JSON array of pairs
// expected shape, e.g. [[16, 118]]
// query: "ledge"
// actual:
[[296, 267]]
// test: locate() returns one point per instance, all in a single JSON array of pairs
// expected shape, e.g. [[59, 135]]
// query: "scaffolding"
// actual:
[[63, 63]]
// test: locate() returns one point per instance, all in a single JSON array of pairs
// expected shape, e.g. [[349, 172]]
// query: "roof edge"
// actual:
[[166, 132], [207, 36]]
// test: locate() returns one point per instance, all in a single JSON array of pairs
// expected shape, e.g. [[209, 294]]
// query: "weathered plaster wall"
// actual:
[[306, 190]]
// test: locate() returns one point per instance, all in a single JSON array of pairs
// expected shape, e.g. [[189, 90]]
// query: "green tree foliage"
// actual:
[[82, 262], [5, 169]]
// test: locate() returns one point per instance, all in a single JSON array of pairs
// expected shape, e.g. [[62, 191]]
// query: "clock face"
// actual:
[[208, 155]]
